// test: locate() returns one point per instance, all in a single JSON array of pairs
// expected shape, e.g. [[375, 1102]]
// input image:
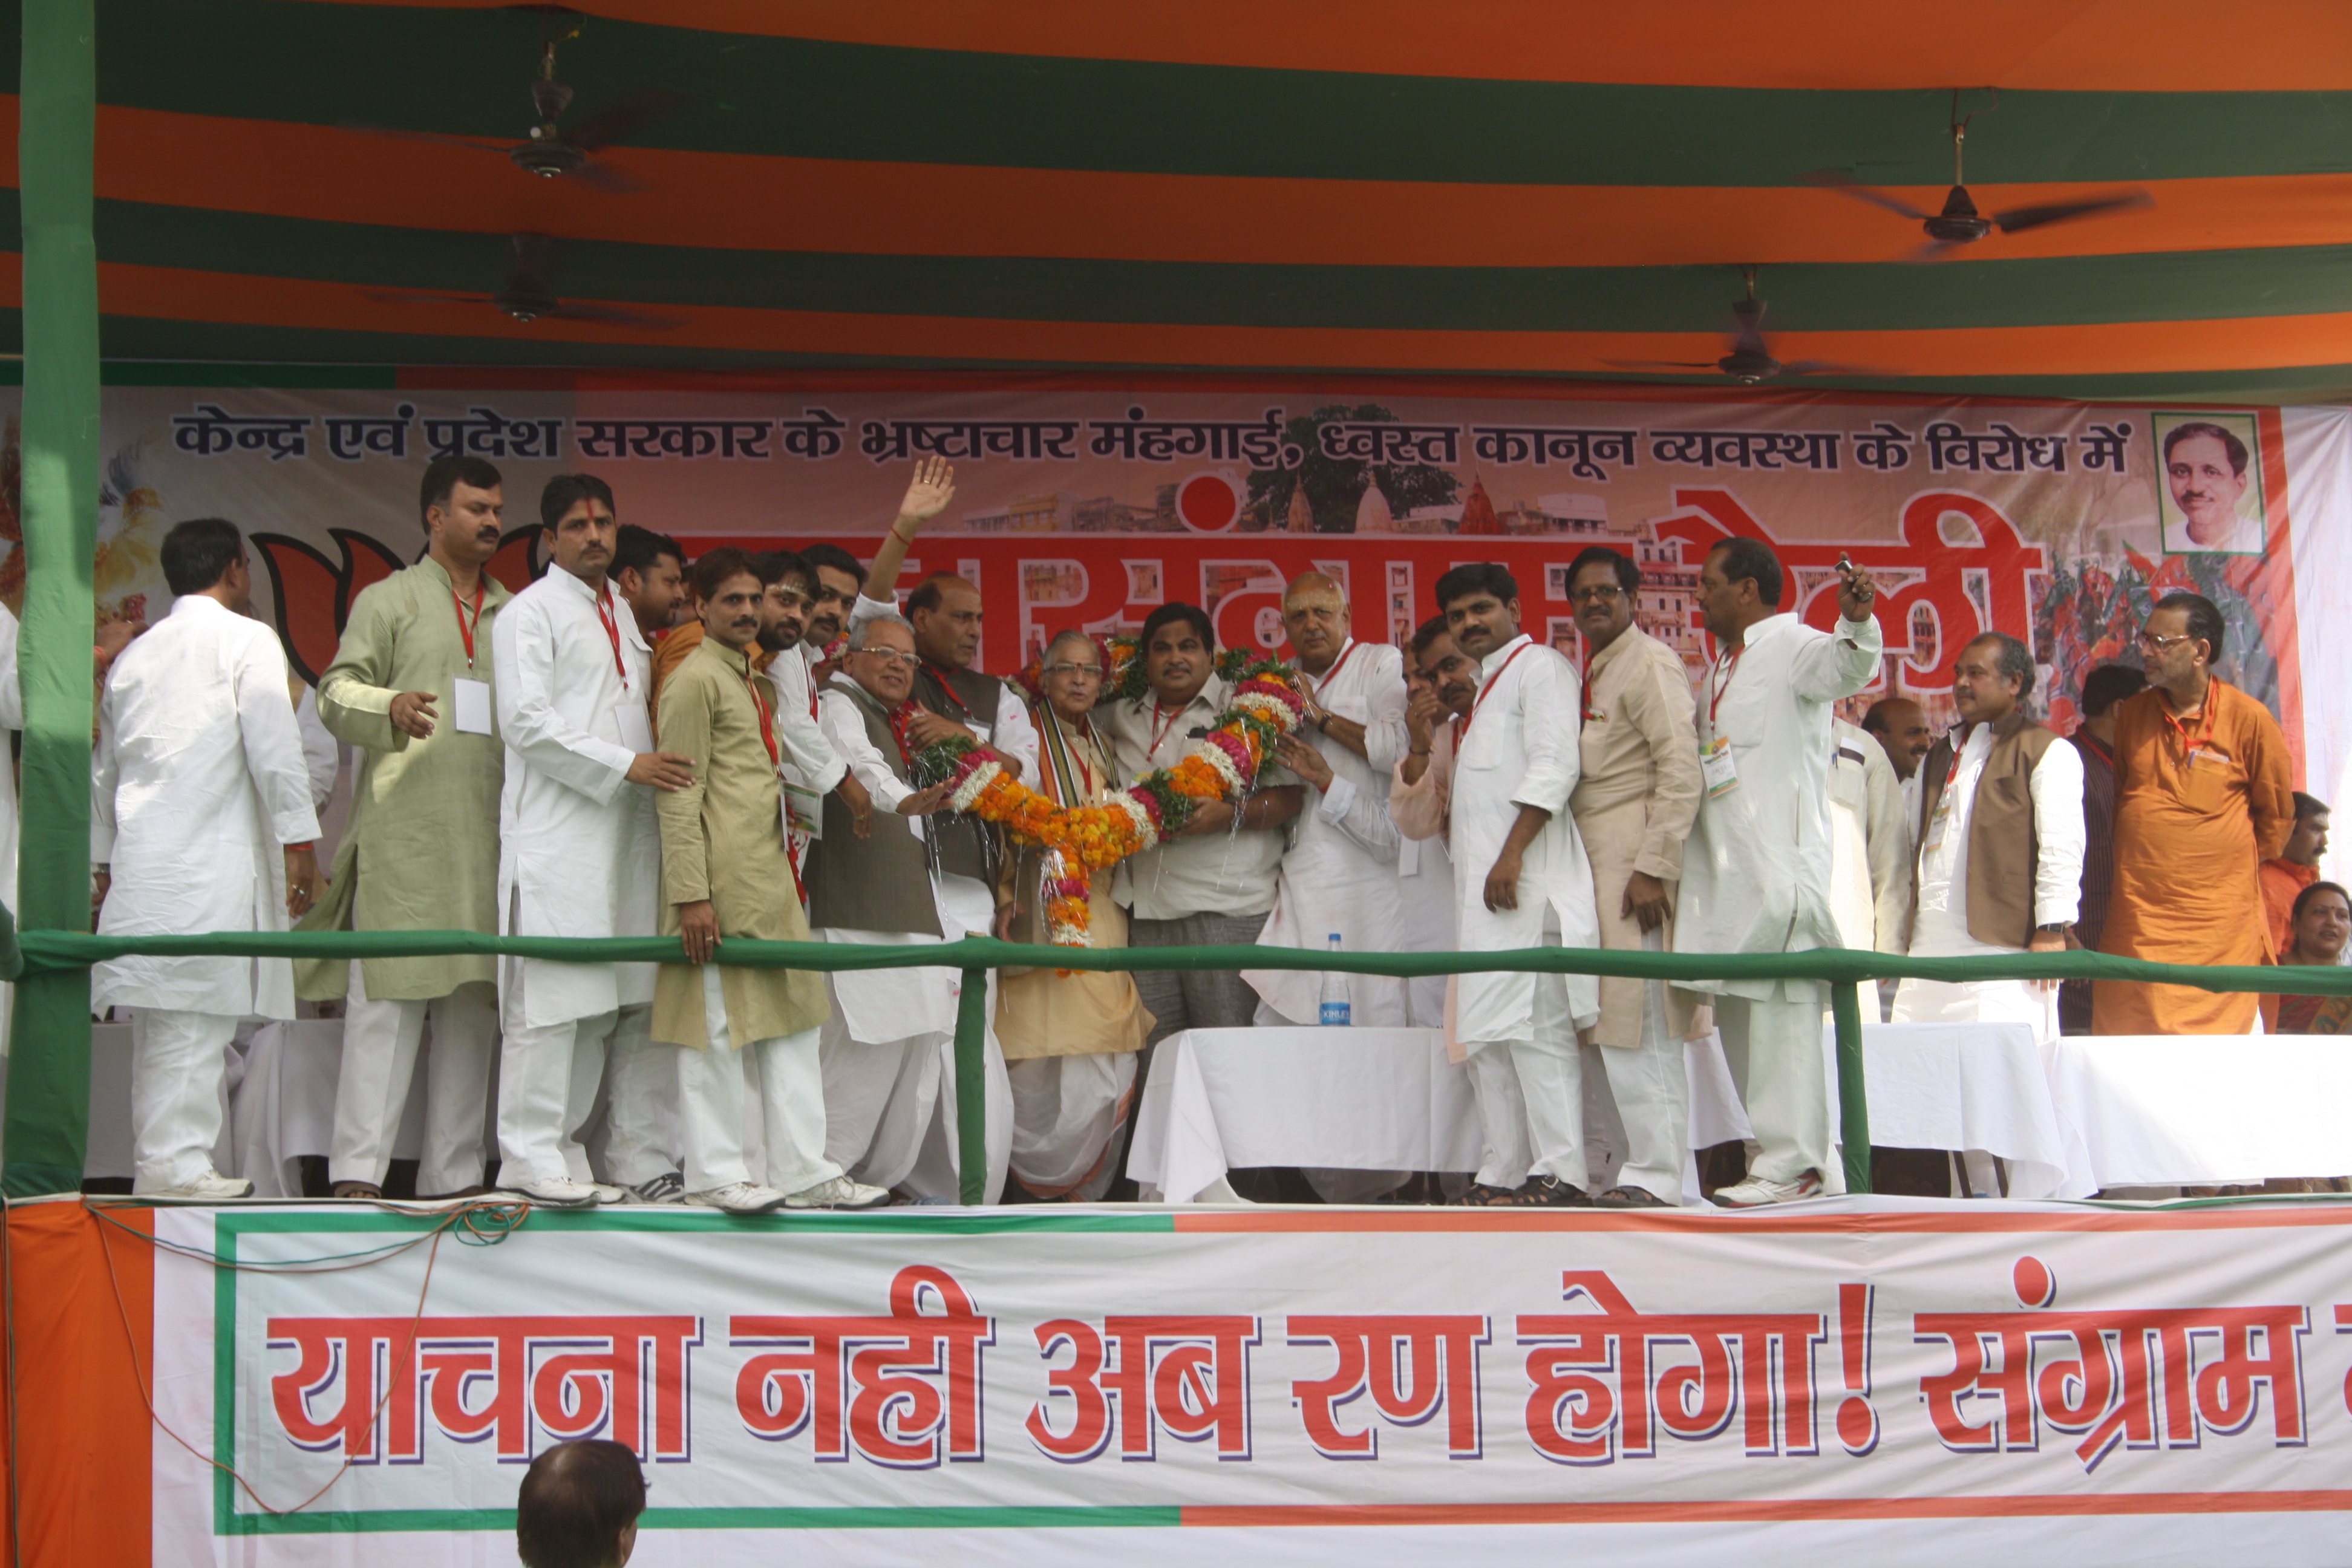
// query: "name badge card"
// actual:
[[804, 811], [473, 707], [1715, 766], [637, 731]]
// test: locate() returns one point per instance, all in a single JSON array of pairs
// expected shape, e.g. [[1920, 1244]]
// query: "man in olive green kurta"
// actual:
[[726, 874], [410, 687]]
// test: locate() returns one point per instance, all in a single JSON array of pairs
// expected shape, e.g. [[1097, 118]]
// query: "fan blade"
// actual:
[[602, 176], [366, 129], [572, 312], [2022, 218], [1831, 180], [1935, 250], [1660, 364], [421, 297], [1825, 367], [600, 130]]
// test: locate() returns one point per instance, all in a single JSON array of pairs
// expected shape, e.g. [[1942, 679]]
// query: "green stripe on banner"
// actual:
[[463, 71], [46, 950]]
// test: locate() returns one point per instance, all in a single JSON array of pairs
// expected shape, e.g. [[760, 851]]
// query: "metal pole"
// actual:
[[971, 1088], [1854, 1100], [48, 1062]]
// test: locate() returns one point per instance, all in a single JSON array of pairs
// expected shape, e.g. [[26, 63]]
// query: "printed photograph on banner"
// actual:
[[2211, 499]]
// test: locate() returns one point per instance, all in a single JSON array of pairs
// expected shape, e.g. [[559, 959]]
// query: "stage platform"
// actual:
[[1862, 1380]]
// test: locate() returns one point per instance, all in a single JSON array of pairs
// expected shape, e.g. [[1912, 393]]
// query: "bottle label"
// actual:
[[1335, 1013]]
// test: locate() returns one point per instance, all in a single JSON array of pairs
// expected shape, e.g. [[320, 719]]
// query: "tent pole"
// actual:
[[48, 1124]]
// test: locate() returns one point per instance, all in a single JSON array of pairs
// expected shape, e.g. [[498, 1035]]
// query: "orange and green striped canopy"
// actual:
[[1527, 187]]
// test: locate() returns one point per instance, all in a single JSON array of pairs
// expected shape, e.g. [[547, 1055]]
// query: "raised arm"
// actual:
[[927, 494]]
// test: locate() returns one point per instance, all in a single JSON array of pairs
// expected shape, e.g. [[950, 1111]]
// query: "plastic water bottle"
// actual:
[[1336, 1012]]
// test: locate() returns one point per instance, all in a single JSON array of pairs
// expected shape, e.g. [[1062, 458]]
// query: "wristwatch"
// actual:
[[2058, 928]]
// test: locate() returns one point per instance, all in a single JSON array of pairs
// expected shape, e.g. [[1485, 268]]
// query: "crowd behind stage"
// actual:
[[724, 748]]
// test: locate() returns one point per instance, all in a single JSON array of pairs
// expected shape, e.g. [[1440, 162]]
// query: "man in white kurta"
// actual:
[[1442, 686], [1340, 874], [1521, 880], [1756, 872], [200, 821], [580, 855], [2039, 859], [1870, 842]]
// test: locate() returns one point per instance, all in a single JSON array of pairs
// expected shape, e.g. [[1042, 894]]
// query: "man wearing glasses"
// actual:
[[1637, 793], [2204, 793]]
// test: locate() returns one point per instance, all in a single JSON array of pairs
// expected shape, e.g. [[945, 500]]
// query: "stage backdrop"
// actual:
[[1087, 503], [1874, 1381]]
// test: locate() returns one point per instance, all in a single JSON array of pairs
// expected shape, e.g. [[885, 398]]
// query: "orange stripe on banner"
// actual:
[[1731, 1222], [1762, 1510], [2122, 46], [735, 201], [2118, 348], [78, 1442]]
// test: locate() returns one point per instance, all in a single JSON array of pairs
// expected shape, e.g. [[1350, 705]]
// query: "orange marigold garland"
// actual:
[[1222, 764]]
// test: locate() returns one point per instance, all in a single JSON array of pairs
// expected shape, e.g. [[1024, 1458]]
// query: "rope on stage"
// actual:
[[479, 1221]]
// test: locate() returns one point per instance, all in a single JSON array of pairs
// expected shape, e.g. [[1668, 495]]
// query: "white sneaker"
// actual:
[[561, 1192], [1757, 1191], [606, 1192], [212, 1187], [669, 1187], [739, 1197], [840, 1193]]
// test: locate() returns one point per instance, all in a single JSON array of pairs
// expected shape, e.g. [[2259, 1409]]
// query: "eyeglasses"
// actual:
[[1091, 671], [1604, 592], [912, 660], [2155, 644]]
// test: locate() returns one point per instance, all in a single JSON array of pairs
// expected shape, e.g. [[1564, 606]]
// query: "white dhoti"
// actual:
[[1067, 1112], [714, 1098], [1774, 1049], [177, 1062], [380, 1047], [967, 906], [881, 1057]]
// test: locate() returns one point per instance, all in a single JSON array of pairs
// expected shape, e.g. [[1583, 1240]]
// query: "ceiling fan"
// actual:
[[1960, 223], [528, 295], [1751, 359], [549, 151]]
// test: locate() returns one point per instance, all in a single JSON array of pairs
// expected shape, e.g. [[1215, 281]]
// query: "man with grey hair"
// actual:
[[2000, 867]]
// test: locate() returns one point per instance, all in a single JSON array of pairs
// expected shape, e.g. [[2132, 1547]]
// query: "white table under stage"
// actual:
[[2203, 1110]]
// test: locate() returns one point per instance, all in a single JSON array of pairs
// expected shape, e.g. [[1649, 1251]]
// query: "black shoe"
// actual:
[[1631, 1198], [1544, 1192], [1480, 1195]]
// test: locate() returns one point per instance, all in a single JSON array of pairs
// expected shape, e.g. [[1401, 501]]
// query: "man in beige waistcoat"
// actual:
[[1637, 793], [725, 875]]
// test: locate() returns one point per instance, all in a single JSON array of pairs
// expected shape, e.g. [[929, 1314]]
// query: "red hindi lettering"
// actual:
[[1412, 1367], [1184, 1374]]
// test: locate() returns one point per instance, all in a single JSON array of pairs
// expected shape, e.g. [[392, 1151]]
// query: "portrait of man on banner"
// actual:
[[2210, 498]]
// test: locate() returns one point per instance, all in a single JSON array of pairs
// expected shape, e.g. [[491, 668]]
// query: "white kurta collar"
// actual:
[[199, 605], [1494, 660]]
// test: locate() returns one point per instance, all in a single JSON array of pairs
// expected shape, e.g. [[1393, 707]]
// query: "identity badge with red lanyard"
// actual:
[[471, 695], [1715, 767], [629, 713]]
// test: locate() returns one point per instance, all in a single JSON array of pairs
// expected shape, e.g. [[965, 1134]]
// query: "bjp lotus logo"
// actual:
[[314, 593]]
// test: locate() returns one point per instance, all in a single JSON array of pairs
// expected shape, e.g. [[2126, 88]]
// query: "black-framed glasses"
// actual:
[[1604, 591], [912, 660], [1091, 671]]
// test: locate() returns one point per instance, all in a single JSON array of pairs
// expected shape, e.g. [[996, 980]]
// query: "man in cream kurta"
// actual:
[[1340, 874], [198, 794], [1756, 872], [725, 875], [410, 688], [1637, 793], [580, 855], [1521, 880]]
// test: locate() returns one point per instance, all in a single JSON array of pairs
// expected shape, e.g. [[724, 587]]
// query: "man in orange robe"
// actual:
[[2204, 793]]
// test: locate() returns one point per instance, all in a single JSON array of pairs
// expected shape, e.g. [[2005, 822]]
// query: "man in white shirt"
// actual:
[[1213, 882], [1521, 880], [201, 821], [1442, 686], [2000, 845], [1870, 842], [1749, 883], [1339, 875], [580, 855]]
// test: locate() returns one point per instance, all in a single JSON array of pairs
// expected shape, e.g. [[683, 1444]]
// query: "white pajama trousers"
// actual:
[[379, 1043], [548, 1075], [177, 1065], [1067, 1114], [1774, 1049], [713, 1098]]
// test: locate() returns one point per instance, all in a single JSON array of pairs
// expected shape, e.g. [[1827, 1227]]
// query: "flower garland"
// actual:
[[1081, 840]]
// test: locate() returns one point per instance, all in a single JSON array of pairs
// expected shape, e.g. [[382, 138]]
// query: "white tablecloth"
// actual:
[[1364, 1100], [1976, 1087], [2201, 1110]]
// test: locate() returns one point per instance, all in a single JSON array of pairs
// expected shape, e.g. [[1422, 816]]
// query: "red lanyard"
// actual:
[[2205, 736], [465, 628], [1719, 678], [1160, 728], [1323, 683], [767, 722], [940, 673], [1488, 687], [612, 630]]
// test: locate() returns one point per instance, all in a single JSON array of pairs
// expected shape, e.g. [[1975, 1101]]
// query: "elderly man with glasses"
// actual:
[[2204, 794], [1069, 1040]]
